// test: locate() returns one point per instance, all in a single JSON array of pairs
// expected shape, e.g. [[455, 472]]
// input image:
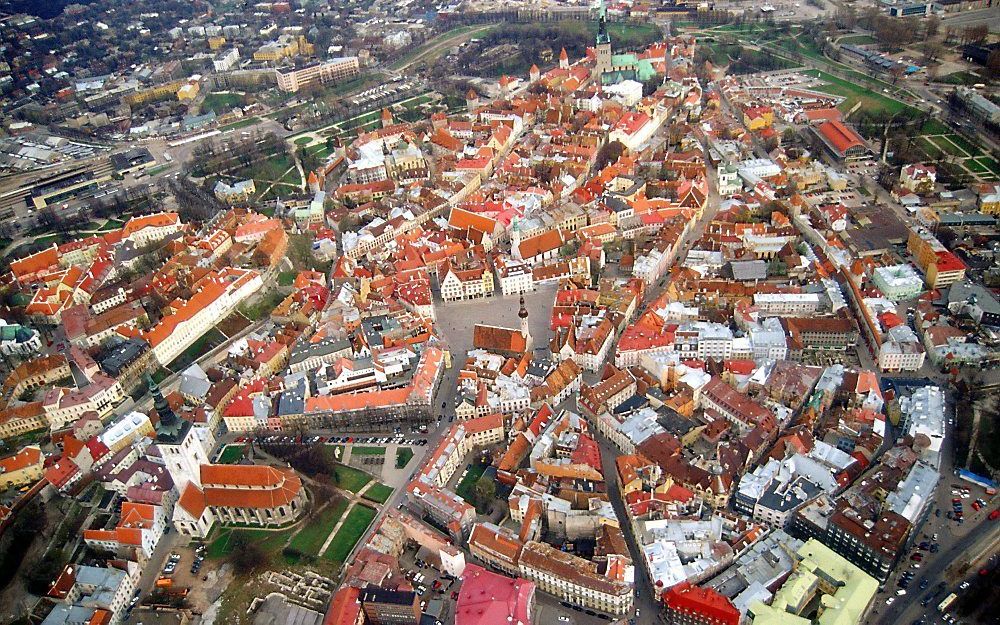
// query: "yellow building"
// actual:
[[285, 47], [188, 91], [989, 199], [215, 43], [758, 118], [844, 591], [24, 467], [940, 266], [154, 94]]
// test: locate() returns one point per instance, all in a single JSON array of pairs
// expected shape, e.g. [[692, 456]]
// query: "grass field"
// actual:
[[857, 40], [960, 78], [403, 455], [930, 149], [231, 454], [945, 147], [962, 143], [413, 103], [974, 166], [225, 539], [319, 150], [468, 483], [853, 94], [159, 169], [350, 478], [303, 141], [205, 343], [934, 127], [222, 102], [286, 278], [379, 493], [243, 123], [430, 43], [357, 521], [310, 539], [360, 450], [991, 164]]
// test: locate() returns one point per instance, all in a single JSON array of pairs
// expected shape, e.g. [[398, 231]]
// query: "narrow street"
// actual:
[[645, 599]]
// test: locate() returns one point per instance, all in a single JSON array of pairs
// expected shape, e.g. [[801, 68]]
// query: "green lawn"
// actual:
[[403, 455], [430, 43], [359, 450], [357, 521], [379, 493], [222, 103], [990, 164], [960, 78], [319, 150], [159, 169], [930, 149], [286, 278], [464, 489], [974, 166], [271, 169], [962, 143], [934, 127], [303, 141], [262, 306], [413, 103], [243, 123], [202, 345], [221, 541], [231, 454], [350, 478], [852, 93], [310, 539], [857, 40], [361, 120], [111, 224], [946, 146], [49, 239]]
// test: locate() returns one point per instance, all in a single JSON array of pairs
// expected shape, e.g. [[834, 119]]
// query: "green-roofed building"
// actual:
[[628, 67], [824, 584], [602, 46], [18, 339]]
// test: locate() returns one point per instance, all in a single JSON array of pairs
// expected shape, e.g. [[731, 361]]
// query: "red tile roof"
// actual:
[[29, 456], [490, 599], [241, 486], [840, 136]]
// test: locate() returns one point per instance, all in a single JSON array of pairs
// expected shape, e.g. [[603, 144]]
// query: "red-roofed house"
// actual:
[[248, 495], [945, 269], [138, 531], [692, 605], [23, 467], [842, 142], [490, 599]]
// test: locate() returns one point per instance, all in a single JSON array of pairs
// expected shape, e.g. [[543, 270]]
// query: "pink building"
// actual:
[[487, 598]]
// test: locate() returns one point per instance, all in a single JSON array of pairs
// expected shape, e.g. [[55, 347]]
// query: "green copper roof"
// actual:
[[646, 70], [624, 61]]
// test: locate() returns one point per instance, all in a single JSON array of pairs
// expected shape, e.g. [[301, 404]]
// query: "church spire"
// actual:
[[525, 332], [602, 27]]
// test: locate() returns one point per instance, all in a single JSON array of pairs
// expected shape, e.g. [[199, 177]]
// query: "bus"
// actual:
[[946, 603]]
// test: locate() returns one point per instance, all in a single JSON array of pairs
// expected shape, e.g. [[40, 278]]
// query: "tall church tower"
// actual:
[[182, 450], [603, 47], [525, 332]]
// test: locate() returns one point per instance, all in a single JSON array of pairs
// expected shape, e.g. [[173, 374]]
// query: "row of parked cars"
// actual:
[[312, 440]]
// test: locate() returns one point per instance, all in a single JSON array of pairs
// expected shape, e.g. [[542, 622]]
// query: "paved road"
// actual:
[[990, 17]]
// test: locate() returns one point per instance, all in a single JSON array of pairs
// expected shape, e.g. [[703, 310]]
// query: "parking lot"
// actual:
[[438, 591], [398, 439]]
